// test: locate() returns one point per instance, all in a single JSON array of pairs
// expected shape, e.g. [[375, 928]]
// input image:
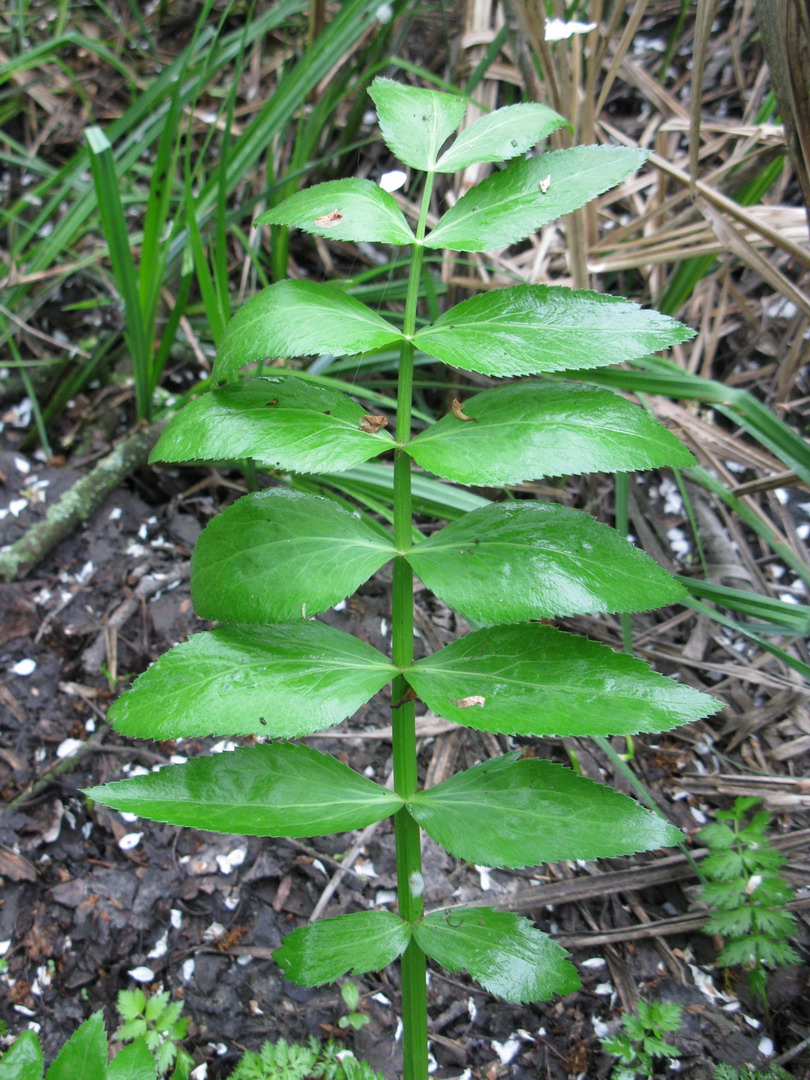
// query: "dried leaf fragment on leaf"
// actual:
[[468, 702], [334, 217], [372, 424], [458, 411]]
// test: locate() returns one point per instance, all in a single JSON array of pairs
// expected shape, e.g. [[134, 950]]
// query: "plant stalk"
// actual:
[[410, 884]]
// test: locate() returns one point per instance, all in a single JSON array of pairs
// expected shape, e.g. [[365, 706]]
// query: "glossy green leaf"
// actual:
[[509, 562], [510, 205], [525, 430], [503, 952], [279, 555], [500, 136], [523, 812], [350, 944], [134, 1062], [84, 1054], [23, 1060], [275, 789], [529, 329], [281, 422], [415, 123], [281, 681], [535, 680], [349, 209], [299, 318]]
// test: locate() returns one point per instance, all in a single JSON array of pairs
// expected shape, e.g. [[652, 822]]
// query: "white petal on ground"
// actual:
[[559, 29], [141, 974]]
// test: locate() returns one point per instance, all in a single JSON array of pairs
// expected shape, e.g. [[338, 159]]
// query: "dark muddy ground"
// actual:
[[90, 896]]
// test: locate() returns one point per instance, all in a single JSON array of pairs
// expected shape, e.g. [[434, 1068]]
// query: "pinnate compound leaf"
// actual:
[[274, 789], [503, 952], [510, 562], [528, 812], [535, 680], [24, 1059], [282, 681], [279, 555], [415, 123], [299, 318], [508, 206], [84, 1054], [280, 422], [528, 329], [500, 136], [349, 944], [522, 431], [350, 209], [133, 1063]]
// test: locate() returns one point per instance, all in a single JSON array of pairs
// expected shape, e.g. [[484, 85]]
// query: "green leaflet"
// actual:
[[279, 555], [23, 1060], [504, 952], [415, 123], [349, 944], [299, 318], [528, 329], [528, 812], [279, 789], [509, 562], [134, 1062], [510, 205], [281, 422], [279, 681], [500, 136], [84, 1054], [535, 680], [349, 209], [522, 431]]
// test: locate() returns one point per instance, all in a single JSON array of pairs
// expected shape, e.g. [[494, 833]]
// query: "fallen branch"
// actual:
[[77, 505]]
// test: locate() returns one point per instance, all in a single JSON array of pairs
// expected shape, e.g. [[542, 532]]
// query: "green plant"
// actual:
[[276, 558], [281, 1060], [731, 1072], [350, 993], [155, 1020], [641, 1039], [743, 884], [84, 1056]]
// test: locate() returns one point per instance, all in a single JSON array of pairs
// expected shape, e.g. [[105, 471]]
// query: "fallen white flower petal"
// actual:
[[141, 974], [559, 29], [130, 841], [393, 181], [68, 747], [507, 1051], [23, 667], [160, 948]]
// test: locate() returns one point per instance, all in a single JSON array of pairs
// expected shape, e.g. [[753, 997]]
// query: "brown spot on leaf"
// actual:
[[469, 702], [334, 217], [372, 424], [458, 411]]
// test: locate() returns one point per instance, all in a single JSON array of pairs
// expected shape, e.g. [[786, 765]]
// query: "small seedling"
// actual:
[[641, 1040], [731, 1072], [278, 557], [85, 1055], [155, 1020], [351, 999], [291, 1061], [743, 884]]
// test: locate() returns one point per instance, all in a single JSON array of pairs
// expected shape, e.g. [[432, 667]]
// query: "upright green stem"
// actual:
[[409, 856]]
